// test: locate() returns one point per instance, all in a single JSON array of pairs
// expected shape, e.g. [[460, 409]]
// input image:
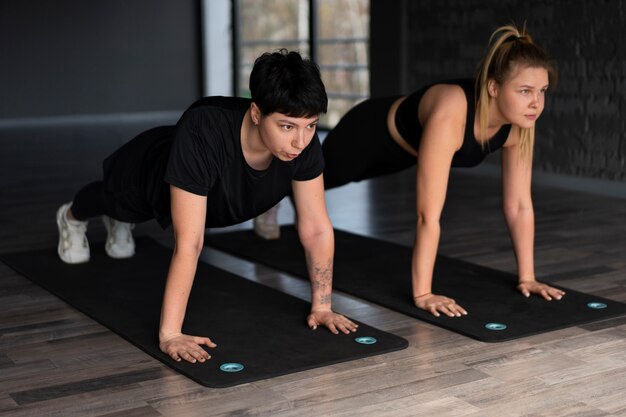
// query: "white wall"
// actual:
[[217, 47]]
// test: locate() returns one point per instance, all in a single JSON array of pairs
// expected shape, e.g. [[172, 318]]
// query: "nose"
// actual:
[[535, 101], [299, 140]]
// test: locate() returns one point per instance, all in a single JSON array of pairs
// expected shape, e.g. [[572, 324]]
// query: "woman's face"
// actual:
[[286, 136], [521, 98]]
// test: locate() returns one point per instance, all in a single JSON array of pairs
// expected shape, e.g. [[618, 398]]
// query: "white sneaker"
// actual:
[[266, 225], [120, 243], [73, 245]]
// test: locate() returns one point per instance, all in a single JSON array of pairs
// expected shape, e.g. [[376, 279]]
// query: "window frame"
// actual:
[[313, 43]]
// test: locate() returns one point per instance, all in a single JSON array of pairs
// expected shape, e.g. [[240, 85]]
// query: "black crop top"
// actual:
[[471, 152]]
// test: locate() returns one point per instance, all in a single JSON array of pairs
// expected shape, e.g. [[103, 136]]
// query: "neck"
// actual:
[[256, 154], [495, 121]]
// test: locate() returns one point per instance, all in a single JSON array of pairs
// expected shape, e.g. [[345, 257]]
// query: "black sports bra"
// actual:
[[471, 152]]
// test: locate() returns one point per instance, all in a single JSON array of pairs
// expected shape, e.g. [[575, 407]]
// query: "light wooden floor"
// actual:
[[56, 362]]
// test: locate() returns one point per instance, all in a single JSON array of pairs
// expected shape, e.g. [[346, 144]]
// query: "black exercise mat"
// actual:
[[379, 272], [253, 325]]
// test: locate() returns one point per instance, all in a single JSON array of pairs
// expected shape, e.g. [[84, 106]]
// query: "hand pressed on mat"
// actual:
[[333, 321], [437, 304], [539, 288], [181, 346]]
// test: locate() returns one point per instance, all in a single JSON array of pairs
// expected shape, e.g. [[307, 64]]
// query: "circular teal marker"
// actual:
[[365, 340], [596, 305], [495, 326], [231, 367]]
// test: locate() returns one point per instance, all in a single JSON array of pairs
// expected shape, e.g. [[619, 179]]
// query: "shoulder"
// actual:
[[443, 101], [214, 113]]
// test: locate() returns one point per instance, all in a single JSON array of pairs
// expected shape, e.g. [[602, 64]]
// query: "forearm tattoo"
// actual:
[[326, 299], [321, 279]]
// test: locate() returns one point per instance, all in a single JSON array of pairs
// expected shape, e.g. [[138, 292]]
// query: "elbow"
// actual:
[[514, 210], [189, 248], [427, 222], [313, 233], [510, 211]]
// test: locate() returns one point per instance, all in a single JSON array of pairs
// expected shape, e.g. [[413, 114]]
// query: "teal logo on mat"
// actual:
[[365, 340], [596, 305], [231, 367], [495, 326]]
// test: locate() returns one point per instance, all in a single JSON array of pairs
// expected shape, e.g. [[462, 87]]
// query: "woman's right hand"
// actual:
[[181, 346], [437, 304]]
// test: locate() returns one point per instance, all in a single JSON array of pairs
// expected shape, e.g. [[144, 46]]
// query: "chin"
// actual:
[[525, 124]]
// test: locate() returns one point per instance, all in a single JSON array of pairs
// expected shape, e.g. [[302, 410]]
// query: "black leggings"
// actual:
[[360, 146], [89, 202]]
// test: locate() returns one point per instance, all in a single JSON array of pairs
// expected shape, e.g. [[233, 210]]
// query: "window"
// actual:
[[333, 33]]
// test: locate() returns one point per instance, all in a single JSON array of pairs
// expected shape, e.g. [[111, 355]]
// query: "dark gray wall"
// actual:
[[582, 131], [387, 34], [73, 57]]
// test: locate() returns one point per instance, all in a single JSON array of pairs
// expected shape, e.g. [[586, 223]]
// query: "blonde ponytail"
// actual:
[[508, 46]]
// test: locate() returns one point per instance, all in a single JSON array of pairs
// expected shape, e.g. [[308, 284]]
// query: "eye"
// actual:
[[312, 126], [286, 127], [525, 91]]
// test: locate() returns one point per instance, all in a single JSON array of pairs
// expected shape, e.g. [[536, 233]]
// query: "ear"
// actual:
[[492, 87], [255, 113]]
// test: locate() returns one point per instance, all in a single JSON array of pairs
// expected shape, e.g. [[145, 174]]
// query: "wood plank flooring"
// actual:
[[54, 361]]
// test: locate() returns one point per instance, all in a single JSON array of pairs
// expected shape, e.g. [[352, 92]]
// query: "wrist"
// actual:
[[421, 286], [416, 297], [321, 302], [165, 336], [526, 278], [316, 308]]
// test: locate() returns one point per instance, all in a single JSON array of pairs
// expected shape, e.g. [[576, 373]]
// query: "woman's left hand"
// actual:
[[333, 321], [539, 288]]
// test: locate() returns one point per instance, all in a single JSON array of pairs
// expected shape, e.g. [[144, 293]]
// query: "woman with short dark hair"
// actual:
[[227, 160]]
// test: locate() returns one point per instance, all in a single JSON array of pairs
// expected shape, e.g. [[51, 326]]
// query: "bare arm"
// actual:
[[188, 217], [317, 238], [518, 206], [443, 116], [520, 217]]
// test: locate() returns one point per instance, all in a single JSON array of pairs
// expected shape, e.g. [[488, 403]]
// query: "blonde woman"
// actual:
[[454, 124]]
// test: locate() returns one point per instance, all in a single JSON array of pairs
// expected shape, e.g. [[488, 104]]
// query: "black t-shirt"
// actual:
[[203, 155]]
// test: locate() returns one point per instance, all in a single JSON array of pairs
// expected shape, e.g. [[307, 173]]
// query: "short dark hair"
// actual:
[[284, 82]]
